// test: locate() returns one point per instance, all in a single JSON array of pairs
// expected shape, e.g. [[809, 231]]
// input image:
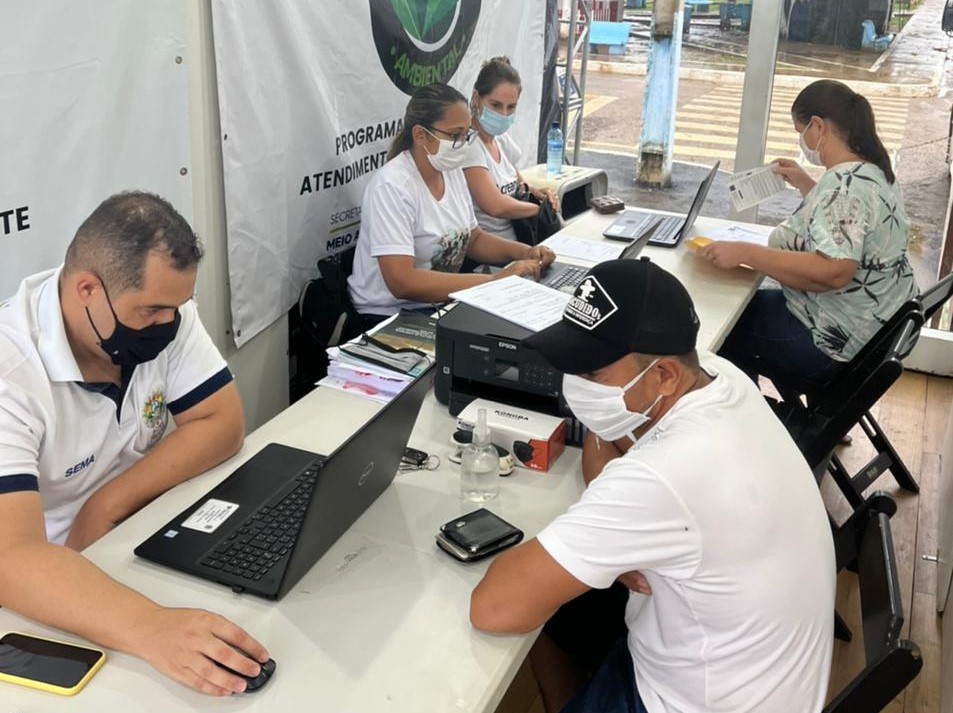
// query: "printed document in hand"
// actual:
[[582, 249], [749, 188], [518, 300]]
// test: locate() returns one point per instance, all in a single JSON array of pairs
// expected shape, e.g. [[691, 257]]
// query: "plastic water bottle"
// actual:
[[554, 151], [480, 465]]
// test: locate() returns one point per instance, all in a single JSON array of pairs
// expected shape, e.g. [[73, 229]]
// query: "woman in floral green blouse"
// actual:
[[840, 259]]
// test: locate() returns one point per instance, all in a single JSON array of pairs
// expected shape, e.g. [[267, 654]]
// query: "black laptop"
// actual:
[[565, 277], [262, 528], [667, 231]]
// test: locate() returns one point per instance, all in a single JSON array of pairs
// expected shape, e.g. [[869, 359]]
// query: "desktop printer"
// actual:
[[480, 355]]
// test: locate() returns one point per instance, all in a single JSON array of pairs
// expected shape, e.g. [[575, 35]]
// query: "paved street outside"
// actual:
[[909, 87]]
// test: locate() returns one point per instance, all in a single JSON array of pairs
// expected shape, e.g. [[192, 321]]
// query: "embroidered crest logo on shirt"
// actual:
[[154, 413], [591, 305]]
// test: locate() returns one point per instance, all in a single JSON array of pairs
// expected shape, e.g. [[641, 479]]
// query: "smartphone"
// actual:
[[46, 664]]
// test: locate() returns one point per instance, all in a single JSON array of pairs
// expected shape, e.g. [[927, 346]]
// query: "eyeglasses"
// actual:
[[459, 140]]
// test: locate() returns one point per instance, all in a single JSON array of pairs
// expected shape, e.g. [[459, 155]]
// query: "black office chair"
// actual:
[[819, 423], [325, 306], [864, 544], [792, 387], [934, 298]]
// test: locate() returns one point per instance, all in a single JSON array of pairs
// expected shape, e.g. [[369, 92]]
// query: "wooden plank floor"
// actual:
[[914, 415]]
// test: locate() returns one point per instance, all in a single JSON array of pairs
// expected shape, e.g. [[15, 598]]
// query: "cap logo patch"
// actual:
[[590, 306]]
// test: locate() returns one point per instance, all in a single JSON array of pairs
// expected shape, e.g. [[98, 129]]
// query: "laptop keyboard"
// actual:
[[632, 227], [267, 535], [667, 231], [568, 278]]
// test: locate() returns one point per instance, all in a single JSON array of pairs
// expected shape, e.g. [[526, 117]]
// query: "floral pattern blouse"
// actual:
[[852, 213]]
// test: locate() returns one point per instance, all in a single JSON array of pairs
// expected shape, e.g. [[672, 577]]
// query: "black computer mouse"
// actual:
[[253, 683]]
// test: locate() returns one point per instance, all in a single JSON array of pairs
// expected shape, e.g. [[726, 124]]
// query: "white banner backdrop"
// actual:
[[311, 94], [94, 102]]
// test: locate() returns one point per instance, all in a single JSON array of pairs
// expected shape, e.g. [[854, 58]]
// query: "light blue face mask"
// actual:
[[495, 123]]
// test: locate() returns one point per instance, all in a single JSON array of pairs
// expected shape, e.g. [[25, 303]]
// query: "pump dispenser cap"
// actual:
[[481, 434]]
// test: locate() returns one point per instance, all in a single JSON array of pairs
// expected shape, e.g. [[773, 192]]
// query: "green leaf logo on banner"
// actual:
[[422, 41], [426, 21]]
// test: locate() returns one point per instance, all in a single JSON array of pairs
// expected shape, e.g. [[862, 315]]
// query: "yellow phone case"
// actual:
[[48, 687]]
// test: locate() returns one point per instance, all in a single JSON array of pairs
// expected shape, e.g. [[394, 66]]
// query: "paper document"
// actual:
[[582, 249], [518, 300], [749, 188], [755, 234]]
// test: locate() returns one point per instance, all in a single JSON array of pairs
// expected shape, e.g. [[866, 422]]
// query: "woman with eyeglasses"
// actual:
[[490, 168], [840, 259], [417, 220]]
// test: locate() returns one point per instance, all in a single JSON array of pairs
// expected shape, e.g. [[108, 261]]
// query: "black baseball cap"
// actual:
[[622, 306]]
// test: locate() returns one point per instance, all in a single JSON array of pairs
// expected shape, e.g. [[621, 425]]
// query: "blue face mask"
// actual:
[[495, 123]]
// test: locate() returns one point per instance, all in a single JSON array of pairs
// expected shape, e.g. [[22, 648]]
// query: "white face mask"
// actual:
[[602, 409], [813, 156], [447, 158]]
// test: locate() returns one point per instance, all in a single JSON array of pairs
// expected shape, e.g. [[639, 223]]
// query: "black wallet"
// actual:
[[476, 535]]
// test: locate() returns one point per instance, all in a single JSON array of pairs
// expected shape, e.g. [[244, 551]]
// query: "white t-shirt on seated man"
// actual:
[[94, 358], [68, 438], [710, 514]]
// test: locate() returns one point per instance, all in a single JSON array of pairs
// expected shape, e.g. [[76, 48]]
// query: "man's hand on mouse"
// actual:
[[191, 646]]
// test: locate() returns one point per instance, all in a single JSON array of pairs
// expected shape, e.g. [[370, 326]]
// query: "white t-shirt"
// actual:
[[503, 175], [720, 512], [64, 438], [399, 216]]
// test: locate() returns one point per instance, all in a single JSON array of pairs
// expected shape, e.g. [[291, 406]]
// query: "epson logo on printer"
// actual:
[[508, 414], [82, 465], [507, 345]]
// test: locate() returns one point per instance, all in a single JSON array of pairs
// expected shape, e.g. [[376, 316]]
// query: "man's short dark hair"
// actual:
[[689, 360], [115, 239]]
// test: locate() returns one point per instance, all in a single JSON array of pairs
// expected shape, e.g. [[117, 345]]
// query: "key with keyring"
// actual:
[[416, 459]]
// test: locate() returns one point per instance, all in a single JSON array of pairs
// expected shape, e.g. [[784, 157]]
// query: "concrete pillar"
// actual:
[[657, 136], [766, 19]]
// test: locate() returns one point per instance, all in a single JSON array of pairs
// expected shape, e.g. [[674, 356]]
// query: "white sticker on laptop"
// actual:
[[210, 516]]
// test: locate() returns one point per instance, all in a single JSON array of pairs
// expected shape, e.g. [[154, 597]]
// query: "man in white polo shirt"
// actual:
[[95, 357], [697, 500]]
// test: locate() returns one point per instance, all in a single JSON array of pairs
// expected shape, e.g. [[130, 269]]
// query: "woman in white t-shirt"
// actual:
[[417, 221], [490, 168]]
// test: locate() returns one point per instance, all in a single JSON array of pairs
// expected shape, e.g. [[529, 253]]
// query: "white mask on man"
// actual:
[[601, 408]]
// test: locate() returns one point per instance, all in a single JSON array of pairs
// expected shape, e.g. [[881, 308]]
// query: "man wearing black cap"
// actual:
[[697, 500]]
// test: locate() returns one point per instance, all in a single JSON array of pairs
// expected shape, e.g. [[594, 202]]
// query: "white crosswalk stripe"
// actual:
[[706, 127]]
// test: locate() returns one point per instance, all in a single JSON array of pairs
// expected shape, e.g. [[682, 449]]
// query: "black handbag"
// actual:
[[533, 231]]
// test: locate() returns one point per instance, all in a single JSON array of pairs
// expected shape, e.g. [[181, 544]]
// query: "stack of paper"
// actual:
[[379, 364]]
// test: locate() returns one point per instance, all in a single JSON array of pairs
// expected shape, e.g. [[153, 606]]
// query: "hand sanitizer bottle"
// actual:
[[480, 465]]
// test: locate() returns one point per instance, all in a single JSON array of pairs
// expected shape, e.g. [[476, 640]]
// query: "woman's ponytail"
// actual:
[[862, 136]]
